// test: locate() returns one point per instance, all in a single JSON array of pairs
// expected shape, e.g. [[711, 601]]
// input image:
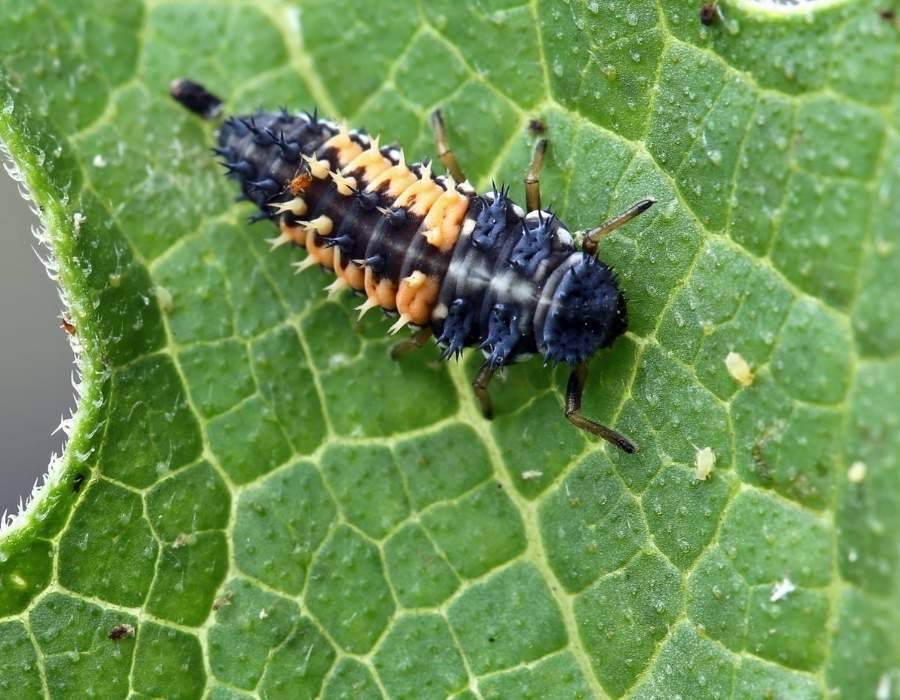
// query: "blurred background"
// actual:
[[35, 358]]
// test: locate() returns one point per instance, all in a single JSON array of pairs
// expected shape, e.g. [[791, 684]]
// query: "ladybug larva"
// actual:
[[468, 269]]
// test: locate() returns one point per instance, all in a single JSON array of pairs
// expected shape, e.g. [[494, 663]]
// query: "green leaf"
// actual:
[[255, 500]]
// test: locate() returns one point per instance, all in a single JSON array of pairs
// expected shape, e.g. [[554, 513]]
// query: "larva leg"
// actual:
[[480, 385], [443, 150], [573, 412], [593, 237], [533, 176], [404, 347]]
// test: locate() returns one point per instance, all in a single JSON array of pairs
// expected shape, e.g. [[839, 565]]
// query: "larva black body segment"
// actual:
[[475, 270]]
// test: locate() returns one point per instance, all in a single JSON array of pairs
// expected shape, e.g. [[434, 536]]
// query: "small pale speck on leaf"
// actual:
[[183, 540], [99, 161], [77, 220], [165, 299], [856, 474], [530, 474], [704, 462], [263, 614], [339, 359], [739, 369], [782, 589]]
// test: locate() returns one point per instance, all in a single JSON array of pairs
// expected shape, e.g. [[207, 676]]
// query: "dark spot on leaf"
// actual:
[[120, 632], [709, 14], [760, 462], [222, 600], [67, 325]]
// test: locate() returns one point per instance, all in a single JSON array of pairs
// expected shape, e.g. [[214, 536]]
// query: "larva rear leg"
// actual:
[[411, 344], [574, 390], [533, 176], [480, 385], [443, 150]]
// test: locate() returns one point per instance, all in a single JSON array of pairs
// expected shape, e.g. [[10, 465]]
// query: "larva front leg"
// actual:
[[443, 149], [593, 237], [533, 176]]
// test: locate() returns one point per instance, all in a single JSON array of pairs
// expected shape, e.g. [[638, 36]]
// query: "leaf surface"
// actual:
[[256, 501]]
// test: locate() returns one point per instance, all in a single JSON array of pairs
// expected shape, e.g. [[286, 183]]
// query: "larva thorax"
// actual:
[[477, 269]]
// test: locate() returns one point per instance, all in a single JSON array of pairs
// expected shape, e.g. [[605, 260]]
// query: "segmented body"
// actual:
[[475, 268]]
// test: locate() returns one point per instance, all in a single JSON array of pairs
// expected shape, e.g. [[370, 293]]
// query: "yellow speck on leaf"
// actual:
[[739, 369], [705, 460]]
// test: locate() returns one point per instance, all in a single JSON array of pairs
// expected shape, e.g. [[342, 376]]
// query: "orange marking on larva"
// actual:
[[419, 196], [444, 220], [297, 234], [372, 163], [398, 178], [417, 296], [345, 148], [322, 254], [300, 183], [353, 275], [382, 292]]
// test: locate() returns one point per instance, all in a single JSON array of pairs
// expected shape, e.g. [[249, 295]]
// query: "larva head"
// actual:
[[586, 312]]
